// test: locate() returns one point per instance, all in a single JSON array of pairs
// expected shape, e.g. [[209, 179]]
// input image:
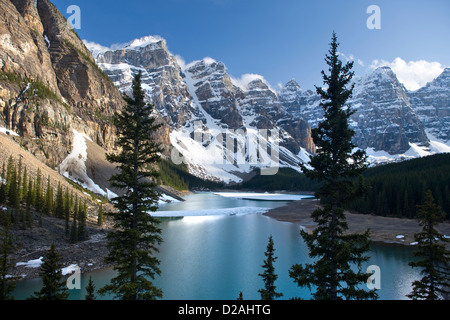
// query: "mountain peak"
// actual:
[[144, 42], [291, 85], [384, 70]]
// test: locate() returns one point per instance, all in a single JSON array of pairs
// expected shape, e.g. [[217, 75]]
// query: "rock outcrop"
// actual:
[[432, 105], [50, 83]]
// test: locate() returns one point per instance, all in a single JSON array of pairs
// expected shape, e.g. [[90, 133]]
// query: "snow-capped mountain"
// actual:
[[214, 121], [219, 129], [384, 118], [390, 122], [432, 105]]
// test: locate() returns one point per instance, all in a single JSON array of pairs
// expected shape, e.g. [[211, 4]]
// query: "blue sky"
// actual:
[[281, 39]]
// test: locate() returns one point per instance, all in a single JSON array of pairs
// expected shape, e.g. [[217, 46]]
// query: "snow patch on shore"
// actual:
[[211, 212], [70, 269], [263, 196], [36, 263]]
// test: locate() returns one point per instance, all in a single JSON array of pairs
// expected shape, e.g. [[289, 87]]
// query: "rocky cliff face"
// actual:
[[49, 82], [432, 105], [201, 100], [161, 78], [215, 92], [384, 119]]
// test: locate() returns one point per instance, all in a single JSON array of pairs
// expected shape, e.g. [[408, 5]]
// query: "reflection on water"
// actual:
[[216, 257]]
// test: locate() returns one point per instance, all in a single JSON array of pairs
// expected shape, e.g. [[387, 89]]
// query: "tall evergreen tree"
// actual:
[[48, 199], [435, 263], [136, 234], [37, 197], [269, 276], [54, 287], [7, 283], [82, 216], [59, 204], [3, 189], [67, 211], [336, 167], [19, 180], [73, 228], [24, 189], [90, 290], [13, 194], [100, 215]]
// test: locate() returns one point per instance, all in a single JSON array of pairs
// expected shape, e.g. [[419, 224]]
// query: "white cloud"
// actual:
[[245, 79], [209, 60], [413, 74], [95, 48], [351, 57], [181, 62]]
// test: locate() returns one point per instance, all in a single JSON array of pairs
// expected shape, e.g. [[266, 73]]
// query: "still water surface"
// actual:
[[216, 257]]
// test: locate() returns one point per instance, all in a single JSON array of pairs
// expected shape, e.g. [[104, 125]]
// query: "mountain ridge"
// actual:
[[386, 121]]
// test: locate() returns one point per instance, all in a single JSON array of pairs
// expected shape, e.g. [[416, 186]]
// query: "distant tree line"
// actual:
[[397, 189], [178, 177], [172, 176], [285, 179]]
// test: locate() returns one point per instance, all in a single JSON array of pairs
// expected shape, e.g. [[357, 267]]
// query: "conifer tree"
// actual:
[[3, 185], [7, 283], [54, 287], [19, 180], [13, 195], [37, 197], [59, 205], [269, 276], [136, 234], [67, 211], [336, 167], [29, 197], [82, 214], [73, 228], [435, 263], [100, 215], [48, 199], [90, 290], [24, 188]]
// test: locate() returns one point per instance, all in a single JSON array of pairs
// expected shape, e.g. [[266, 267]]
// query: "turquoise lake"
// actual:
[[215, 257]]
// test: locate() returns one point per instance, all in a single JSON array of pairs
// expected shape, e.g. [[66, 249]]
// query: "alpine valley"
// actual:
[[59, 93]]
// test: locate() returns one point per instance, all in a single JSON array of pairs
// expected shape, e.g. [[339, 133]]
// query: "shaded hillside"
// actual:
[[285, 179], [396, 189]]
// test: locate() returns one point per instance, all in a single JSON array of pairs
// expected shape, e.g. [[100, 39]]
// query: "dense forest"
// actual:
[[396, 189], [25, 197], [178, 177], [286, 179]]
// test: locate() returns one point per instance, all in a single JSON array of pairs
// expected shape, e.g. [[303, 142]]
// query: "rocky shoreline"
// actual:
[[32, 244], [387, 230]]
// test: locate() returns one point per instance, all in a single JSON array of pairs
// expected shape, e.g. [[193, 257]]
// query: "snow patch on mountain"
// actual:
[[73, 166]]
